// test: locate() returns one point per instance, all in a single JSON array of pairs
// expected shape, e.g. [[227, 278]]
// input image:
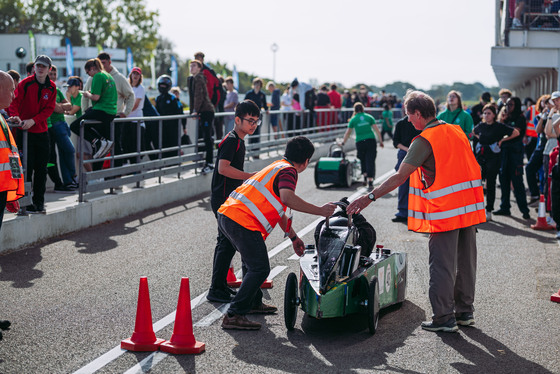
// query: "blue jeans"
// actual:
[[250, 244], [402, 204], [66, 151]]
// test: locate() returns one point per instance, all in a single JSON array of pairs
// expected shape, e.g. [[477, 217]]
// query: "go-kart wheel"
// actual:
[[316, 175], [349, 179], [291, 301], [373, 306]]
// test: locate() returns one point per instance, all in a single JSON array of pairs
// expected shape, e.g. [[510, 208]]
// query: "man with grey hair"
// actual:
[[445, 201]]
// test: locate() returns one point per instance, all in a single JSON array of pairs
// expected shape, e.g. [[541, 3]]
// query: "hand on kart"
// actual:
[[328, 209], [299, 247], [358, 205]]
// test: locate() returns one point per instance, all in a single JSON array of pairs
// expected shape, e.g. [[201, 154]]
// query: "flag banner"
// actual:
[[129, 60], [235, 77], [69, 58], [174, 70], [32, 50]]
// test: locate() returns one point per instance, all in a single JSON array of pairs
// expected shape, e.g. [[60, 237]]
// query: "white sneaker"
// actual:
[[206, 169], [488, 216], [516, 23], [103, 147]]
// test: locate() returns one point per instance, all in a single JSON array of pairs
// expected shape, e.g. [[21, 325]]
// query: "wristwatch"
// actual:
[[371, 196]]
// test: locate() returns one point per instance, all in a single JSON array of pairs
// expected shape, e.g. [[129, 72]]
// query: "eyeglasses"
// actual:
[[252, 122]]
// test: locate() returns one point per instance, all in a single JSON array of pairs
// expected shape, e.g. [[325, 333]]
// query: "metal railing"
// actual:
[[159, 161]]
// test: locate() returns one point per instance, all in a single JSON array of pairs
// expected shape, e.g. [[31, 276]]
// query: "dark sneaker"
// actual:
[[449, 326], [526, 215], [237, 322], [219, 296], [231, 291], [464, 319], [35, 209], [64, 189], [502, 212], [370, 184], [399, 219], [263, 309]]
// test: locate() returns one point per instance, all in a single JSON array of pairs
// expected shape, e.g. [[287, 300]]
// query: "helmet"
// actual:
[[164, 84]]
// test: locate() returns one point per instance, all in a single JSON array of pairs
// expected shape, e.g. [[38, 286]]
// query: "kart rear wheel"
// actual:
[[345, 174], [373, 306], [291, 301]]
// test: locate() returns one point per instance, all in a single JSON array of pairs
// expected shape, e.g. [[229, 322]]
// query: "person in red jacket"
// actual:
[[34, 102]]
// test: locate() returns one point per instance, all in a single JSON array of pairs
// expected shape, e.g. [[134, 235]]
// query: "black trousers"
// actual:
[[38, 152]]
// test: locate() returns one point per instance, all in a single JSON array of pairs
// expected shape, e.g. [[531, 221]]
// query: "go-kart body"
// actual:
[[336, 279], [337, 169]]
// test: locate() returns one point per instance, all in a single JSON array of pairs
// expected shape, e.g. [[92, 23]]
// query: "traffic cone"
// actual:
[[231, 279], [555, 297], [233, 282], [143, 338], [267, 284], [182, 340], [541, 220]]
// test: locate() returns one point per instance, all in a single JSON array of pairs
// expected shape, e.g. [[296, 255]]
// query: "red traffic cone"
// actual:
[[182, 340], [267, 284], [541, 220], [143, 338], [231, 279], [555, 297]]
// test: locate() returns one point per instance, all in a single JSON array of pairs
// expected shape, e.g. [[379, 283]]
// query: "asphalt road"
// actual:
[[72, 300]]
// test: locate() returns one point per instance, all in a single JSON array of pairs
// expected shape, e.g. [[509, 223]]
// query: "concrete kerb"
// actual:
[[21, 231]]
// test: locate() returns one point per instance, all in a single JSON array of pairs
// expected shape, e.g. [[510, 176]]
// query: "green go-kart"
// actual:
[[337, 169], [338, 278]]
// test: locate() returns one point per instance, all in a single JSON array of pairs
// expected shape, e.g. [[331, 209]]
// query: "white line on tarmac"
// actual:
[[116, 352], [146, 364]]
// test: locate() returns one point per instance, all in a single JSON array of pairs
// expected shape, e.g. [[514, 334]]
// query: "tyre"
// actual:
[[373, 306], [291, 301], [345, 174], [316, 175]]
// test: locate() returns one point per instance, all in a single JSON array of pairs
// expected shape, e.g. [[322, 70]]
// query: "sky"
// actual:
[[375, 42]]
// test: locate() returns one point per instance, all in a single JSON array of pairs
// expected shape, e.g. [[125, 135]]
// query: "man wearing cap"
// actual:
[[34, 102]]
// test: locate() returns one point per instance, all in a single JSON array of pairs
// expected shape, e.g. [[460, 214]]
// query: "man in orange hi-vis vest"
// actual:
[[11, 175], [249, 215], [445, 200]]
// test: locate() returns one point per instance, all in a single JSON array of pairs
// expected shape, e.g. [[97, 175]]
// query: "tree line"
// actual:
[[129, 24]]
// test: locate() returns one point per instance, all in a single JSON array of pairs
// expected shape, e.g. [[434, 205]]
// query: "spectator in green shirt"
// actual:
[[367, 134], [455, 115], [387, 127], [103, 94]]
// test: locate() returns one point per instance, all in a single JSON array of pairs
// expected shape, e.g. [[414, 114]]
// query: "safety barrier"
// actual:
[[181, 158]]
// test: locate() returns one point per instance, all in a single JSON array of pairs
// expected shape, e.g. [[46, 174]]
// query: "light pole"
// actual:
[[274, 48]]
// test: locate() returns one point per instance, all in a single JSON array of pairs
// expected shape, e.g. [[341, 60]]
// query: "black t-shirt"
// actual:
[[231, 148], [520, 123], [404, 133], [490, 134], [323, 99]]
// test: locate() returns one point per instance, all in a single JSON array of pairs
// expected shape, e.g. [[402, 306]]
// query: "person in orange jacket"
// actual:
[[445, 200], [11, 176]]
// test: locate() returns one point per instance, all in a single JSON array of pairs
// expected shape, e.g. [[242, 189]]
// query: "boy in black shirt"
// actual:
[[228, 175]]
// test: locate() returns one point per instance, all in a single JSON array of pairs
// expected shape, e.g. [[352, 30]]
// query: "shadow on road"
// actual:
[[331, 345], [19, 267], [507, 230], [495, 358]]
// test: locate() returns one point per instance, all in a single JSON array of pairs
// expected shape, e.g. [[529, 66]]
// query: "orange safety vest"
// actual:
[[531, 131], [455, 199], [254, 205], [8, 148]]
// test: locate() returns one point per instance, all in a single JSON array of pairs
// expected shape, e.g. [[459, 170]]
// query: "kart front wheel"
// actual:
[[316, 176], [291, 301], [373, 306]]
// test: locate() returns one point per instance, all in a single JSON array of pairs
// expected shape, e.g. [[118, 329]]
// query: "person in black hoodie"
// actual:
[[166, 105], [511, 172]]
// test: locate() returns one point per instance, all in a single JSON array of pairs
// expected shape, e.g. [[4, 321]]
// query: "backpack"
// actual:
[[215, 89]]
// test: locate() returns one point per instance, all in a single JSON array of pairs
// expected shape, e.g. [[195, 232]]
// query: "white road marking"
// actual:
[[114, 353], [146, 364]]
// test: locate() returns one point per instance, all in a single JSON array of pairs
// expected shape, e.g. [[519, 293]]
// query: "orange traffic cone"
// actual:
[[555, 297], [541, 220], [267, 284], [231, 279], [182, 340], [143, 338]]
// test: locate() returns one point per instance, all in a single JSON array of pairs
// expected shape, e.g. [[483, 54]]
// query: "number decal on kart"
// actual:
[[388, 279], [380, 279]]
